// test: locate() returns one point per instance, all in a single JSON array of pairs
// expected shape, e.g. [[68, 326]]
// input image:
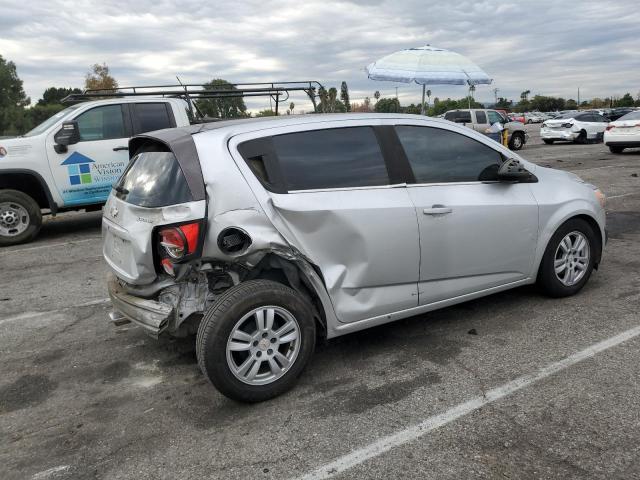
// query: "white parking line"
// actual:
[[623, 195], [30, 315], [414, 432], [50, 245]]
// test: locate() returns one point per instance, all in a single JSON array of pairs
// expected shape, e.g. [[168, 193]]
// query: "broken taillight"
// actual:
[[177, 242]]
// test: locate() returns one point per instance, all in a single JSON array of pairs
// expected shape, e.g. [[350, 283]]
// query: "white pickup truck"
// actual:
[[70, 161]]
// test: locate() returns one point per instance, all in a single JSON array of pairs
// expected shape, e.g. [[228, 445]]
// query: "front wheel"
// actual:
[[255, 340], [569, 259], [613, 149], [547, 141], [20, 218], [516, 142]]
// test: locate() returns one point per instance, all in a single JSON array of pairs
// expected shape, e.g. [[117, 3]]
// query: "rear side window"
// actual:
[[153, 179], [152, 116], [332, 158], [441, 156]]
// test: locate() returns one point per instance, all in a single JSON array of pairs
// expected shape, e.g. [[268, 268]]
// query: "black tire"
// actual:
[[582, 137], [547, 141], [219, 321], [13, 199], [613, 149], [517, 141], [529, 122], [547, 279]]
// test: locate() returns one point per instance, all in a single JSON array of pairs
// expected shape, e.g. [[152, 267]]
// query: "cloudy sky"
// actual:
[[548, 47]]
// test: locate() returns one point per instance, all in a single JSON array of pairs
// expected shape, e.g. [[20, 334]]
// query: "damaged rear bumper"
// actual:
[[152, 316]]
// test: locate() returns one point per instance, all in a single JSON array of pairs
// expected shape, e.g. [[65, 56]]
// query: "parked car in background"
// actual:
[[264, 234], [574, 127], [481, 120], [516, 117], [533, 117], [617, 113], [623, 133]]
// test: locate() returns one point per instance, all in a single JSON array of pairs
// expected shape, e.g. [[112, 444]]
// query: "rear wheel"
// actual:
[[255, 340], [20, 218], [582, 137], [547, 141], [569, 258], [517, 141], [613, 149]]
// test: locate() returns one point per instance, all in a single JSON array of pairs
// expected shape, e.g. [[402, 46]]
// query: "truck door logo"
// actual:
[[78, 168]]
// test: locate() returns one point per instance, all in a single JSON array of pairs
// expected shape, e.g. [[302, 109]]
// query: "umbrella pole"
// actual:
[[422, 104]]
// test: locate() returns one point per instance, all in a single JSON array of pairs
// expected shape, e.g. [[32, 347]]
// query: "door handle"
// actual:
[[437, 210], [117, 149]]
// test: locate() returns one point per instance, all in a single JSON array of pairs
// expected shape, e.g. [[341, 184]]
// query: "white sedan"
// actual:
[[623, 133], [574, 127]]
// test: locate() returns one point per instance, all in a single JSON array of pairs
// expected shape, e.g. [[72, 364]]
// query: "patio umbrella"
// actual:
[[428, 66]]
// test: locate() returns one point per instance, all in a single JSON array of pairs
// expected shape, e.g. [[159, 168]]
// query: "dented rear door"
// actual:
[[336, 203]]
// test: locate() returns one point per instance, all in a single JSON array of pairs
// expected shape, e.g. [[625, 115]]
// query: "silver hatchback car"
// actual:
[[262, 235]]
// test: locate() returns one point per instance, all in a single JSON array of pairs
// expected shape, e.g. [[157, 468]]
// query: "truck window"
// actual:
[[101, 123], [481, 117], [494, 117], [152, 116]]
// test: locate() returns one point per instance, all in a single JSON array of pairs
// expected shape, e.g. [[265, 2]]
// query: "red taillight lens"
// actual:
[[181, 240], [191, 232], [174, 242], [609, 127]]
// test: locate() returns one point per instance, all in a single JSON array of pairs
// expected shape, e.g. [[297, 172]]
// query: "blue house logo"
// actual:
[[78, 168]]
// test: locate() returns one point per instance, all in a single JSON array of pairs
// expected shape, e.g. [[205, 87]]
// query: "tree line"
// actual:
[[18, 115]]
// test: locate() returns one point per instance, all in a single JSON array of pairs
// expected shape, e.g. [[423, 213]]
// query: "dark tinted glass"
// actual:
[[481, 117], [440, 156], [153, 179], [152, 116], [333, 158], [101, 123], [451, 116], [464, 116], [583, 118]]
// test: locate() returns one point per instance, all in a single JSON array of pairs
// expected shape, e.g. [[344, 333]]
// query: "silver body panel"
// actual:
[[372, 255]]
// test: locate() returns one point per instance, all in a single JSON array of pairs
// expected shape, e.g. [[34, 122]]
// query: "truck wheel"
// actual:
[[255, 340], [569, 259], [517, 141], [20, 218], [547, 141], [616, 149]]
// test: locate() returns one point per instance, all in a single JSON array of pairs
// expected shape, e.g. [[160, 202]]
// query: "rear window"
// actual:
[[631, 116], [153, 179]]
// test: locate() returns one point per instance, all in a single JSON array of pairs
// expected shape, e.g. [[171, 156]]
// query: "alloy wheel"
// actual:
[[263, 345], [571, 259]]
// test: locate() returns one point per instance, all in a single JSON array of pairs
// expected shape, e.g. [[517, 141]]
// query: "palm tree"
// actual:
[[376, 95], [291, 107], [428, 98]]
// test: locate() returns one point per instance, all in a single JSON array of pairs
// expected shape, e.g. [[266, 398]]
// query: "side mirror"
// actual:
[[513, 171], [69, 134]]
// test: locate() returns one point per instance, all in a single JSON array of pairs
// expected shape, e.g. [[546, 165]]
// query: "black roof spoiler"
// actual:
[[277, 91]]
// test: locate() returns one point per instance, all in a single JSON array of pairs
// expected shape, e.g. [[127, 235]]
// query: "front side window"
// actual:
[[101, 123], [331, 158], [494, 117], [481, 117], [441, 156]]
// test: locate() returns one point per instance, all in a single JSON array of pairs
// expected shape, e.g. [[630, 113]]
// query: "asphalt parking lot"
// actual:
[[80, 398]]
